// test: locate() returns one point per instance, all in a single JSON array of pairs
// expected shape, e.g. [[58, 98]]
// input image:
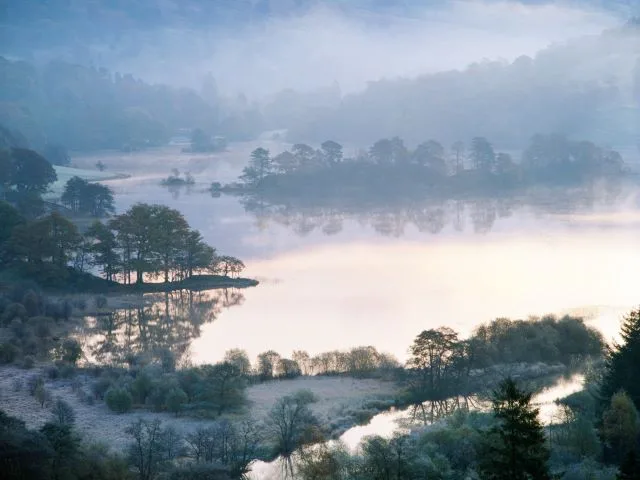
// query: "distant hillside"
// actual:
[[85, 108], [584, 88]]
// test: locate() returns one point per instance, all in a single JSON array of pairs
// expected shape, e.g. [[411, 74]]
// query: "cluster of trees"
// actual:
[[501, 100], [56, 450], [205, 390], [596, 434], [147, 240], [155, 240], [202, 142], [507, 444], [389, 163], [88, 198], [553, 340], [358, 362], [88, 108], [24, 176], [441, 362], [32, 328]]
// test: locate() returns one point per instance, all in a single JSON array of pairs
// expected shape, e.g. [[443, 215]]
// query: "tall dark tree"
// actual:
[[103, 249], [517, 448], [623, 362], [9, 219], [50, 239], [285, 162], [332, 152], [435, 365], [31, 172], [197, 255], [170, 231], [431, 154], [89, 198], [259, 167], [482, 154]]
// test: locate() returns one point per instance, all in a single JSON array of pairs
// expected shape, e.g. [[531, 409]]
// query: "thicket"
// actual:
[[33, 327]]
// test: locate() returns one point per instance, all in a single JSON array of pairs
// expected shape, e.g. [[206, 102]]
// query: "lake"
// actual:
[[333, 280]]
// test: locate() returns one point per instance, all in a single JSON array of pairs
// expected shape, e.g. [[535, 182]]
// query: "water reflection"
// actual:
[[160, 328], [401, 421], [393, 218]]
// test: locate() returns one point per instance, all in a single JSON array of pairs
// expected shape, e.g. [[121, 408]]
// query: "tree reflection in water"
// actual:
[[160, 329], [393, 217]]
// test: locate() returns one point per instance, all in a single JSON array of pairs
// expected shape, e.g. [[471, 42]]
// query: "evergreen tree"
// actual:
[[623, 363], [517, 445], [259, 167]]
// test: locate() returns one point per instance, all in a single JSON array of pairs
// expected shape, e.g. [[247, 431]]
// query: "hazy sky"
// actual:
[[325, 45]]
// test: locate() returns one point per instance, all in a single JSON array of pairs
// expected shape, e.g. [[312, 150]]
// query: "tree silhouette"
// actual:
[[623, 361], [516, 446]]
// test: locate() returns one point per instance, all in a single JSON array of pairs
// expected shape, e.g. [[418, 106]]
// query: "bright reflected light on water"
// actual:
[[340, 296], [397, 421]]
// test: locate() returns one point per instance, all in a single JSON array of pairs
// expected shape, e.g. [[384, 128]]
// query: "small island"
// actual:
[[391, 171]]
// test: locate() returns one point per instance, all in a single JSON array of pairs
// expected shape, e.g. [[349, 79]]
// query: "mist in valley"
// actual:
[[348, 240]]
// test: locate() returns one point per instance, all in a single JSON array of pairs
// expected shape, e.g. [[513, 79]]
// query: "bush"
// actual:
[[100, 386], [118, 400], [8, 353], [175, 399], [52, 372], [28, 362], [33, 383], [67, 370], [63, 412], [70, 351], [17, 384]]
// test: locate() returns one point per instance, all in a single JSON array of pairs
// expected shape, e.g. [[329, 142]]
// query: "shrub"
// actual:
[[67, 370], [8, 353], [118, 400], [63, 413], [17, 384], [70, 351], [32, 384], [52, 372], [175, 399], [100, 386], [28, 362]]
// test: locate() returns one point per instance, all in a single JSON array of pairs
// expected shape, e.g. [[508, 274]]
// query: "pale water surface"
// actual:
[[376, 279]]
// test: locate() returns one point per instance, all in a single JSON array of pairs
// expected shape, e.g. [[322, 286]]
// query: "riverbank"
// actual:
[[74, 281], [337, 398]]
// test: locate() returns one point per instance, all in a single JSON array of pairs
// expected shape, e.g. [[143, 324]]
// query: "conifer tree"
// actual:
[[517, 447], [623, 363]]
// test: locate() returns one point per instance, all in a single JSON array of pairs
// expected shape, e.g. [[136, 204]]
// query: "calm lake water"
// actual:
[[334, 280], [339, 278]]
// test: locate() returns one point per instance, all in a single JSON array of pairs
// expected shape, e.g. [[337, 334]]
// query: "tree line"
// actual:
[[147, 241], [547, 158]]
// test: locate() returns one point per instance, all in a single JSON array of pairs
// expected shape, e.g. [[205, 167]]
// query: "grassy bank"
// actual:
[[73, 281]]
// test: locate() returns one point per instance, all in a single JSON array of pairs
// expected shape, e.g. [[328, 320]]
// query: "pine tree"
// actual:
[[623, 363], [517, 447]]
